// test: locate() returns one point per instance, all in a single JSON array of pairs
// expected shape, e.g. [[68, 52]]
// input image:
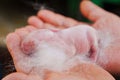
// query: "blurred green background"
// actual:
[[14, 14]]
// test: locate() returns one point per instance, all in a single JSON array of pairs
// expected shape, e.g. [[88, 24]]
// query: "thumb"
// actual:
[[91, 11]]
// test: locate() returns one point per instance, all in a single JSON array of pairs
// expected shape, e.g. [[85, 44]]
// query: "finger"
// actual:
[[13, 41], [51, 27], [91, 11], [22, 32], [21, 76], [35, 21], [56, 19], [31, 28], [16, 76], [13, 44]]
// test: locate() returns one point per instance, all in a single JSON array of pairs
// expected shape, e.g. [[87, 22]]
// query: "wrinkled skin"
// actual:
[[101, 22]]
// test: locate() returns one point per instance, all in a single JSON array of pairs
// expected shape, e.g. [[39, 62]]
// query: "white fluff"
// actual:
[[51, 57]]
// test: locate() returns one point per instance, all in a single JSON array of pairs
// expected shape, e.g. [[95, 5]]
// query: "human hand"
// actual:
[[103, 21], [51, 24], [34, 60]]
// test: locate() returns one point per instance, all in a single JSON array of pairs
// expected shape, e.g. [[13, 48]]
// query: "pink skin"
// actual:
[[103, 21], [32, 37], [68, 42], [86, 43]]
